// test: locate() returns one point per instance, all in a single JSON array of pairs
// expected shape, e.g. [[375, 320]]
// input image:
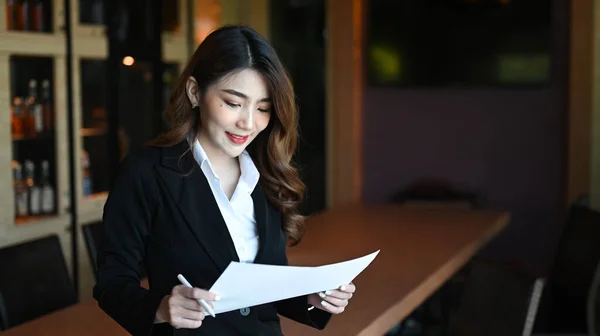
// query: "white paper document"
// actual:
[[245, 285]]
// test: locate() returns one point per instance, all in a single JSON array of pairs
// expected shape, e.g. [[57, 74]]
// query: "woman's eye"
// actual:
[[232, 104], [264, 110]]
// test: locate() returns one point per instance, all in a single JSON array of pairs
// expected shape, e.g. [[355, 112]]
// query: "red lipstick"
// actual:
[[237, 139]]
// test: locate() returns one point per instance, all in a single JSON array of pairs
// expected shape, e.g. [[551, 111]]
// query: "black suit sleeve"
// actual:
[[126, 220], [297, 309]]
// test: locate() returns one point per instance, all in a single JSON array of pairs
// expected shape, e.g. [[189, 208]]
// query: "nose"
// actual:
[[246, 120]]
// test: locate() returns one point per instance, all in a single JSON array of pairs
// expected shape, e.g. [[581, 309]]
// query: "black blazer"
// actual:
[[162, 217]]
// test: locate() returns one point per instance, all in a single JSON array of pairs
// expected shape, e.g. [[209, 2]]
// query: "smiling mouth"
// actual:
[[237, 139]]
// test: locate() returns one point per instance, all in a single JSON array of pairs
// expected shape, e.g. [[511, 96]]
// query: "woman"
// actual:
[[196, 199]]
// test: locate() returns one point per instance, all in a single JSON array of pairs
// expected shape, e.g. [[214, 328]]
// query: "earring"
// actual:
[[196, 109]]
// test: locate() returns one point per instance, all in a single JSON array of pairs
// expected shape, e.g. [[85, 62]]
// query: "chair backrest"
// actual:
[[92, 235], [35, 280], [565, 300], [433, 193], [3, 314], [593, 307]]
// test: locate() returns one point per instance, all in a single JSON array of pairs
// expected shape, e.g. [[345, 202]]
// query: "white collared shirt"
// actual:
[[238, 212]]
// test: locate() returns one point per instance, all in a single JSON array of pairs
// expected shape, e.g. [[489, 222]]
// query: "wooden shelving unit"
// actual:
[[89, 43], [33, 44], [51, 47]]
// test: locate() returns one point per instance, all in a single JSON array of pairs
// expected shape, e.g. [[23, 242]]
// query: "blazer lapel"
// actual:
[[264, 223], [190, 190]]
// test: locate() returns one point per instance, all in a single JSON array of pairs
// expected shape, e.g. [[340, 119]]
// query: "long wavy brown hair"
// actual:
[[225, 51]]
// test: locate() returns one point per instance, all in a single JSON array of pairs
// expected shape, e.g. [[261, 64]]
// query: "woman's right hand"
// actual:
[[181, 309]]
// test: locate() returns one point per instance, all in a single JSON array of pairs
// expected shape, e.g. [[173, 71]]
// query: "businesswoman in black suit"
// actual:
[[217, 187]]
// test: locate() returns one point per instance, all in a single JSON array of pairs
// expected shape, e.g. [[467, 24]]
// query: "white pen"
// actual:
[[203, 303]]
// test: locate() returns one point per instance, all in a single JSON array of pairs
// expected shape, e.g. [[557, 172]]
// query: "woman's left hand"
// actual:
[[333, 301]]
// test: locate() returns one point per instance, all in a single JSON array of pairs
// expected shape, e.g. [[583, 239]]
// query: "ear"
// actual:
[[193, 91]]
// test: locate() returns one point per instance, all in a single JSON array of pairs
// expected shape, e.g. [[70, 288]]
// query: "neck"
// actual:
[[217, 158]]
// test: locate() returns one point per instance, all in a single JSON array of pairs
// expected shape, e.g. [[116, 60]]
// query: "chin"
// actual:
[[234, 152]]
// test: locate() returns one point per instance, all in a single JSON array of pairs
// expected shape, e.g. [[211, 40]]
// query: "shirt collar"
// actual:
[[249, 172], [199, 153]]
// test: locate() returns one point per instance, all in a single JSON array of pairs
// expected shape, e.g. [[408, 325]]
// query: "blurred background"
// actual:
[[493, 101]]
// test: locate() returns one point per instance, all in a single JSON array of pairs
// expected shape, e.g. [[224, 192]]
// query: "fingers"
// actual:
[[184, 309], [190, 304], [337, 294], [189, 314], [349, 288], [328, 306], [194, 293], [181, 322], [182, 317], [334, 301]]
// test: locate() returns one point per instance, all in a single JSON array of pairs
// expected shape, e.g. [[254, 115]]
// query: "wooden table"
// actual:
[[84, 318], [420, 250]]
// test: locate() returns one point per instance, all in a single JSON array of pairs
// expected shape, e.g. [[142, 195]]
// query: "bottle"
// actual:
[[48, 113], [21, 10], [27, 119], [10, 14], [35, 108], [48, 203], [26, 13], [35, 192], [16, 121], [87, 176], [17, 15], [21, 195], [37, 16]]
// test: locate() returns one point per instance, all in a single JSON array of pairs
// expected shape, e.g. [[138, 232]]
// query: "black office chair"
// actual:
[[593, 316], [564, 307], [502, 300], [93, 234], [3, 314], [34, 281]]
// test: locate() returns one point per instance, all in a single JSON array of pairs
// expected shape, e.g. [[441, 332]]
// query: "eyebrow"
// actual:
[[244, 96]]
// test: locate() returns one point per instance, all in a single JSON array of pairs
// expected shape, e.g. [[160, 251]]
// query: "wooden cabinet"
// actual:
[[32, 64], [41, 56]]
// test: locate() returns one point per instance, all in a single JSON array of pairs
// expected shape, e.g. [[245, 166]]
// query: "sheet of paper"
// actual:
[[245, 285]]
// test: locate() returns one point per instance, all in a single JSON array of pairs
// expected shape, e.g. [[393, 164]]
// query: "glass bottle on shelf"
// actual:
[[27, 119], [34, 189], [10, 14], [21, 14], [35, 108], [37, 16], [48, 203], [16, 119], [20, 187], [87, 176], [48, 113]]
